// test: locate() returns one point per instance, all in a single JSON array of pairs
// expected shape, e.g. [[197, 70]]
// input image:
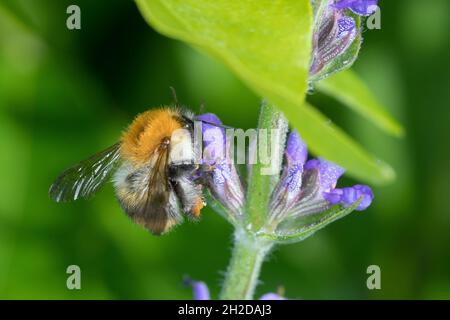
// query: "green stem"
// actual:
[[242, 275], [249, 249], [262, 177]]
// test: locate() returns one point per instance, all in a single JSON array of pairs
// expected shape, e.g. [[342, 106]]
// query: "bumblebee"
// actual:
[[153, 169]]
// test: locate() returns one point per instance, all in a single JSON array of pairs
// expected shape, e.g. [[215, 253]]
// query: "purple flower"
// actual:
[[307, 188], [348, 196], [286, 194], [361, 7], [334, 32], [219, 172], [333, 35], [271, 296], [345, 24], [296, 151], [201, 292], [329, 173]]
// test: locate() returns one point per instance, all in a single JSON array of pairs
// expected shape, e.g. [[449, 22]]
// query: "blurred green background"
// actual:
[[66, 94]]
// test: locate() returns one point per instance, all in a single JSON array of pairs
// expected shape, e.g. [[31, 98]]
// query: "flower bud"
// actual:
[[220, 172], [332, 37]]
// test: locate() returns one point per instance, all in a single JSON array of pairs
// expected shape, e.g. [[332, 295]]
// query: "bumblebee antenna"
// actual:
[[174, 96], [216, 124], [201, 109]]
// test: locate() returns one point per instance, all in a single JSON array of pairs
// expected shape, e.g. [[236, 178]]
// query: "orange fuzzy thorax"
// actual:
[[146, 133]]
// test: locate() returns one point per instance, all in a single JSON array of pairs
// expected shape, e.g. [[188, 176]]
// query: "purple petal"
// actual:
[[289, 187], [213, 138], [348, 196], [296, 150], [201, 291], [361, 7], [226, 187], [329, 173], [209, 118], [296, 154], [214, 145], [221, 174], [287, 191], [345, 25], [272, 296]]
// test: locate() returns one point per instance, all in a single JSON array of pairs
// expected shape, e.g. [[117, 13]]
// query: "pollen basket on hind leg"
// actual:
[[146, 133]]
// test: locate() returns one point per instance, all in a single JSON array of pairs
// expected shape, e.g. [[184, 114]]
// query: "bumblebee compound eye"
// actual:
[[187, 122]]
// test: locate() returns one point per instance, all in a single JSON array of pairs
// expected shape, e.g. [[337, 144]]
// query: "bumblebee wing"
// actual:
[[87, 177], [160, 210]]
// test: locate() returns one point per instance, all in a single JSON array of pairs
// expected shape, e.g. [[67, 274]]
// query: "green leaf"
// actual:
[[309, 225], [329, 141], [350, 90], [268, 45]]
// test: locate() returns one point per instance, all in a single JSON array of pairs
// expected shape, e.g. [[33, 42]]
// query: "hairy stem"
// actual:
[[242, 275], [250, 250], [263, 176]]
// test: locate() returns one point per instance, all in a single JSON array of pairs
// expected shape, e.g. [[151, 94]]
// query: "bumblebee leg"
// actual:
[[190, 195]]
